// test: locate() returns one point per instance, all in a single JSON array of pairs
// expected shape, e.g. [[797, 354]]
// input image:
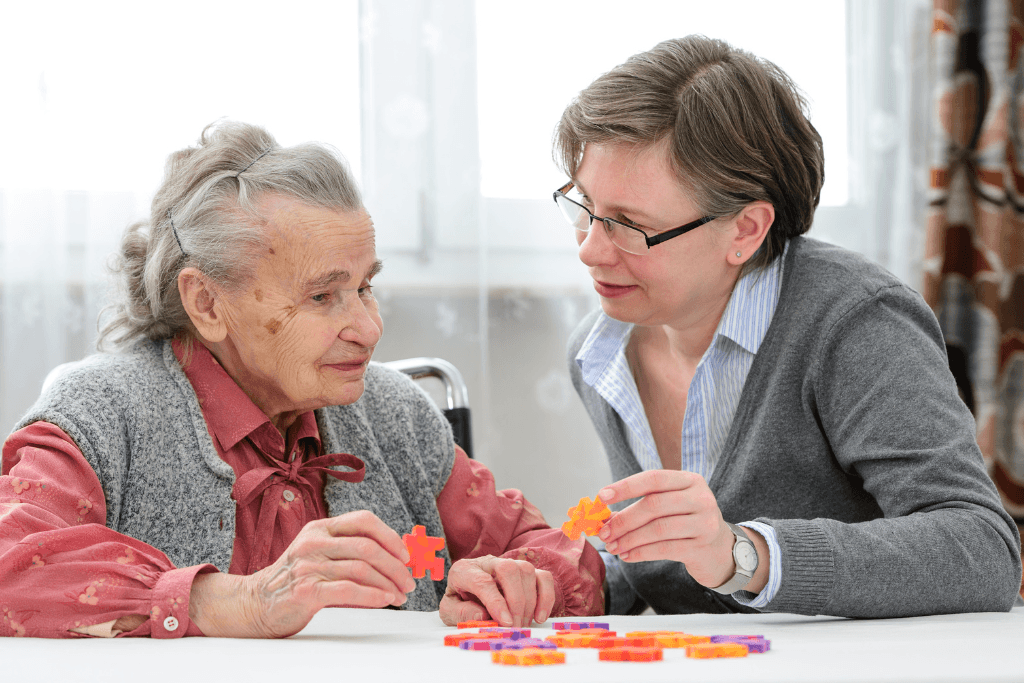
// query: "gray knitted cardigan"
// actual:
[[851, 441], [137, 420]]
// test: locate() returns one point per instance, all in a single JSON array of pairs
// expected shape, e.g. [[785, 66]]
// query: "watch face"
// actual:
[[746, 557]]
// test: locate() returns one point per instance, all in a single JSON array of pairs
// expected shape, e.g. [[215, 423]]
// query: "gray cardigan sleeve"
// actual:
[[880, 388]]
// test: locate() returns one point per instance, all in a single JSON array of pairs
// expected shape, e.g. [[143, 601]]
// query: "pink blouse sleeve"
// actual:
[[479, 520], [61, 569]]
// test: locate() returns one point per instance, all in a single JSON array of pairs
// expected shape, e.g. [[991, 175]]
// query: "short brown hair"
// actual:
[[736, 127]]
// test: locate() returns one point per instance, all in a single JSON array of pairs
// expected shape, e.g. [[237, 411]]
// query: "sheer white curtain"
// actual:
[[512, 288], [445, 109], [94, 97]]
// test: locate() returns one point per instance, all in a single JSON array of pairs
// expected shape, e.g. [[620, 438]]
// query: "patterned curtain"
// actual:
[[974, 261]]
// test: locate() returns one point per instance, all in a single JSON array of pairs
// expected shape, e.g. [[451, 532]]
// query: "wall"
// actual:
[[529, 426]]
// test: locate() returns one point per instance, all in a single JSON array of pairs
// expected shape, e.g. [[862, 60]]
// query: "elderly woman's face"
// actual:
[[304, 330]]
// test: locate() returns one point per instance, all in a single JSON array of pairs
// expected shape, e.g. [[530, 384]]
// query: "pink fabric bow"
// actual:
[[271, 482]]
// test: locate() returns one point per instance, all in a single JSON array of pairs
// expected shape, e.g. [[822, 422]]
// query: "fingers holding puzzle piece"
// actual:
[[586, 518], [421, 553]]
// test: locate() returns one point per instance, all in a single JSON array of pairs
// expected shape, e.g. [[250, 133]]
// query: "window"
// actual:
[[95, 96], [459, 116], [98, 93], [522, 98]]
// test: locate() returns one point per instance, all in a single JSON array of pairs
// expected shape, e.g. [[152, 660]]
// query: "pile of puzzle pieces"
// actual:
[[517, 647]]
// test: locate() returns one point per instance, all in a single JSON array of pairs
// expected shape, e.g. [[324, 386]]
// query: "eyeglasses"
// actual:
[[628, 238]]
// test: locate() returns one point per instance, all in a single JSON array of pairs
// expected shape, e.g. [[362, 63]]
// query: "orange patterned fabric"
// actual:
[[974, 253]]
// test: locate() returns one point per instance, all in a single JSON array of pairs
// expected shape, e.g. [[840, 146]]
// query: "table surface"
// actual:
[[387, 645]]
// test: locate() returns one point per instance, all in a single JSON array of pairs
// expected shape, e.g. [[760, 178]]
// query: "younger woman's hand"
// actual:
[[677, 518]]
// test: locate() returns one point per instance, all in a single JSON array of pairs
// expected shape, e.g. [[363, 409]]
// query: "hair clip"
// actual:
[[265, 153], [175, 231]]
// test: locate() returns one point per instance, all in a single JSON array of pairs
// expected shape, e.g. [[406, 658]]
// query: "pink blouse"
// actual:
[[63, 573]]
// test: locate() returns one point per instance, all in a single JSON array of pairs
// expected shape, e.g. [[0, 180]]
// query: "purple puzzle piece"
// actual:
[[521, 643], [733, 639], [755, 644]]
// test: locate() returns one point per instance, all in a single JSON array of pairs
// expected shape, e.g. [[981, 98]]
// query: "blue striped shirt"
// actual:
[[712, 397]]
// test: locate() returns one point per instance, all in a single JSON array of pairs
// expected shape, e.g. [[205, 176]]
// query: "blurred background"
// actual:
[[445, 111]]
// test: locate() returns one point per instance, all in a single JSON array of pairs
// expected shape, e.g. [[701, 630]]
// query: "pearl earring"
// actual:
[[738, 254]]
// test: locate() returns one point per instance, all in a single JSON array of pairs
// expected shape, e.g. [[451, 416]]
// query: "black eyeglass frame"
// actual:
[[651, 241]]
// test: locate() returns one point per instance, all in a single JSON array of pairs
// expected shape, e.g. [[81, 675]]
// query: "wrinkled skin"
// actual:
[[300, 335], [512, 592]]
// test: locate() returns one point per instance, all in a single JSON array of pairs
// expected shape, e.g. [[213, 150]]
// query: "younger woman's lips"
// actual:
[[610, 291]]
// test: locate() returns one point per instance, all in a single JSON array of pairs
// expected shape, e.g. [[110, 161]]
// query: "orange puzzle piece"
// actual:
[[586, 518], [421, 553], [478, 624], [670, 638], [581, 638], [529, 656], [713, 650], [631, 654]]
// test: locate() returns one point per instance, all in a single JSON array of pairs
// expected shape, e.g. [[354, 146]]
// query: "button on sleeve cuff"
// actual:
[[168, 612]]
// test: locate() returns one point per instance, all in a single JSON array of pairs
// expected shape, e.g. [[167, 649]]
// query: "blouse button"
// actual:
[[171, 624], [288, 495]]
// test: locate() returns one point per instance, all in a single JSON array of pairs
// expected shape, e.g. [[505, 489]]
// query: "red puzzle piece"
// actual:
[[421, 553], [456, 639], [586, 518]]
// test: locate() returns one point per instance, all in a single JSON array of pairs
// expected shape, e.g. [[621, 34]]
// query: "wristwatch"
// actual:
[[745, 555]]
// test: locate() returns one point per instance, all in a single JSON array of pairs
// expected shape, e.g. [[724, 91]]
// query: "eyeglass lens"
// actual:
[[623, 237]]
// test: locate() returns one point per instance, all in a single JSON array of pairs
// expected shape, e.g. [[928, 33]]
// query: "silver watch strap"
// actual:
[[739, 579]]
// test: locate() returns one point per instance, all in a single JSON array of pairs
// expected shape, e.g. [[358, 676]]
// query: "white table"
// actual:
[[342, 645]]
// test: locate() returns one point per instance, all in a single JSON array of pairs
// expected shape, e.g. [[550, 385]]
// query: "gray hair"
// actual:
[[212, 193], [736, 127]]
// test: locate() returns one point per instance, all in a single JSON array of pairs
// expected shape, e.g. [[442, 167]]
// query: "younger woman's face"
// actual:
[[675, 283]]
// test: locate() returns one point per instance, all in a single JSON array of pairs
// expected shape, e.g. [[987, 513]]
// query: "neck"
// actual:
[[687, 339], [278, 410], [688, 344]]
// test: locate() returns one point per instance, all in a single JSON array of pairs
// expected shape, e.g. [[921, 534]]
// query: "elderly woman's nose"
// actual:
[[362, 326]]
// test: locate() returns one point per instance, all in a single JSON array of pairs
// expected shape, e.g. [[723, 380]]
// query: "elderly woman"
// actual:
[[781, 407], [209, 477]]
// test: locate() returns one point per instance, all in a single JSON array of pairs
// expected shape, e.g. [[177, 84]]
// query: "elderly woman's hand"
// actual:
[[512, 592], [677, 518], [352, 560]]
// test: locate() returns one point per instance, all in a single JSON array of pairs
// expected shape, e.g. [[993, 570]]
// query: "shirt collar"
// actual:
[[751, 306], [745, 321], [229, 413], [605, 342]]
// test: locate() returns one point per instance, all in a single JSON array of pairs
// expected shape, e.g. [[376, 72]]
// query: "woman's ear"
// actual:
[[752, 226], [203, 305]]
